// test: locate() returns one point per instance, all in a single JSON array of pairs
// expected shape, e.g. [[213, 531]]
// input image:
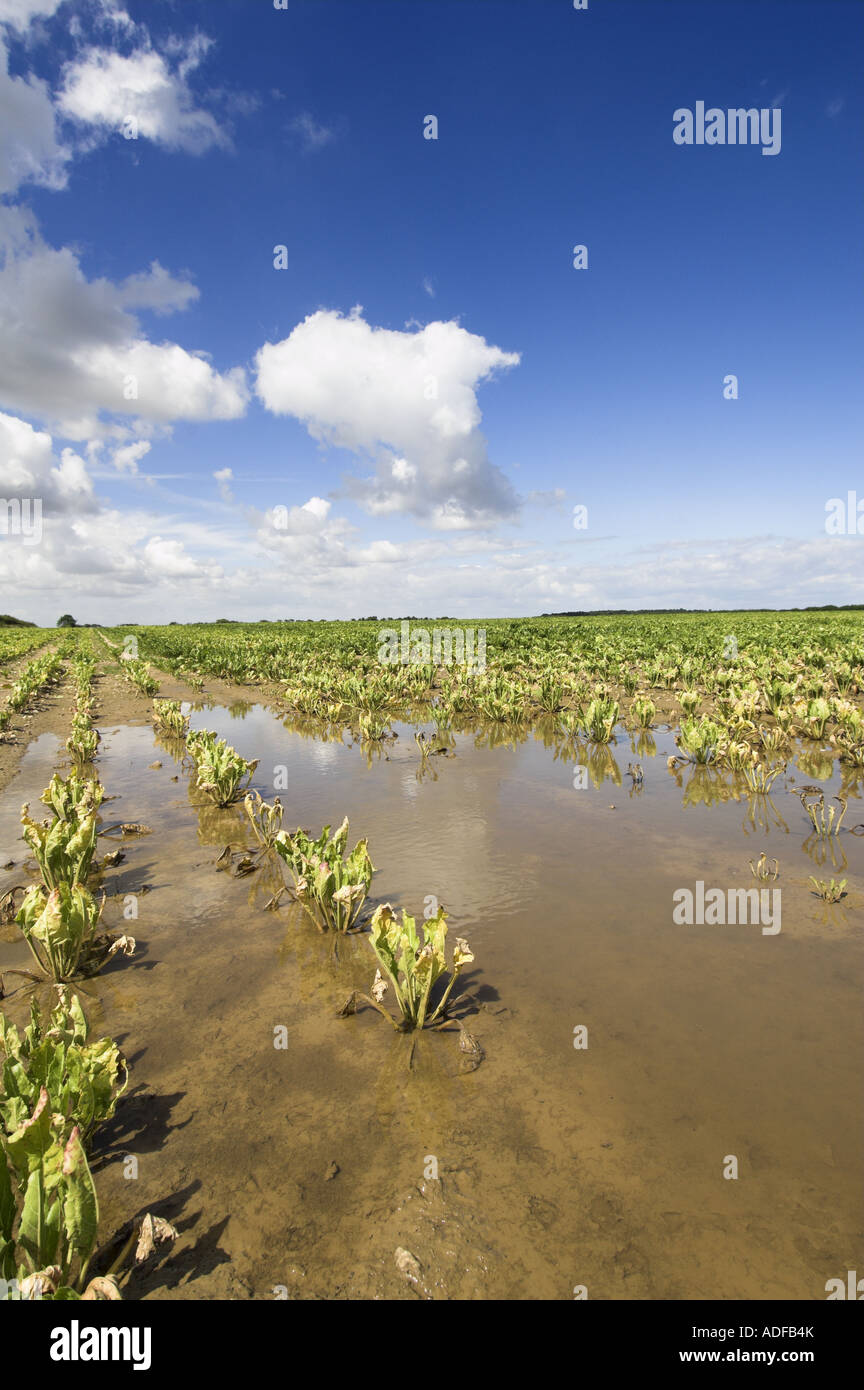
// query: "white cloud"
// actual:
[[313, 135], [115, 565], [108, 558], [30, 150], [70, 350], [168, 559], [318, 506], [104, 88], [156, 289], [288, 522], [28, 468], [113, 16], [403, 471], [406, 399], [127, 458], [19, 13], [223, 477]]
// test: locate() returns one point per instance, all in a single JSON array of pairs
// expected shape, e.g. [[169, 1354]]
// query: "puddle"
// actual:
[[557, 1166]]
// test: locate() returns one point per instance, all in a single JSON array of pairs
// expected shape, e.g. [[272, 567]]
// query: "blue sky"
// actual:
[[403, 418]]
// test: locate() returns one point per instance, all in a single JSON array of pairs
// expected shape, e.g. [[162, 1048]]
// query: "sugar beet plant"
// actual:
[[220, 772], [61, 930], [83, 740], [63, 847], [59, 918], [38, 675], [138, 674], [600, 719], [701, 739], [265, 819], [411, 967], [330, 885], [83, 1079], [74, 797], [169, 718], [49, 1215]]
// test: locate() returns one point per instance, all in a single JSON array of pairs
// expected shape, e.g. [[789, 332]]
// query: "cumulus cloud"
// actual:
[[30, 148], [168, 559], [405, 399], [103, 89], [156, 289], [109, 558], [71, 350], [127, 458], [29, 469], [131, 563], [307, 520]]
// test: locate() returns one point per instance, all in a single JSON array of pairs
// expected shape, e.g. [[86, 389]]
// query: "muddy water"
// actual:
[[303, 1168]]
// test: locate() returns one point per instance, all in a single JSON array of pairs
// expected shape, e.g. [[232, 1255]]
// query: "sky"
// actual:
[[290, 324]]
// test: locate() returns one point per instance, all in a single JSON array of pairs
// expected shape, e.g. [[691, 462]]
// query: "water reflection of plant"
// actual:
[[495, 735], [644, 745], [238, 709], [851, 780], [314, 958], [426, 769], [269, 881], [601, 764], [762, 813], [568, 750], [174, 746], [814, 763], [219, 825], [824, 849], [373, 750], [314, 730], [706, 786]]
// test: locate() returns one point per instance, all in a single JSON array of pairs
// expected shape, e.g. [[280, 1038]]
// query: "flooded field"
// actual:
[[296, 1152]]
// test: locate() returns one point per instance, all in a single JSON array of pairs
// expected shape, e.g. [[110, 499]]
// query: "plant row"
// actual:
[[56, 1084], [331, 883]]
